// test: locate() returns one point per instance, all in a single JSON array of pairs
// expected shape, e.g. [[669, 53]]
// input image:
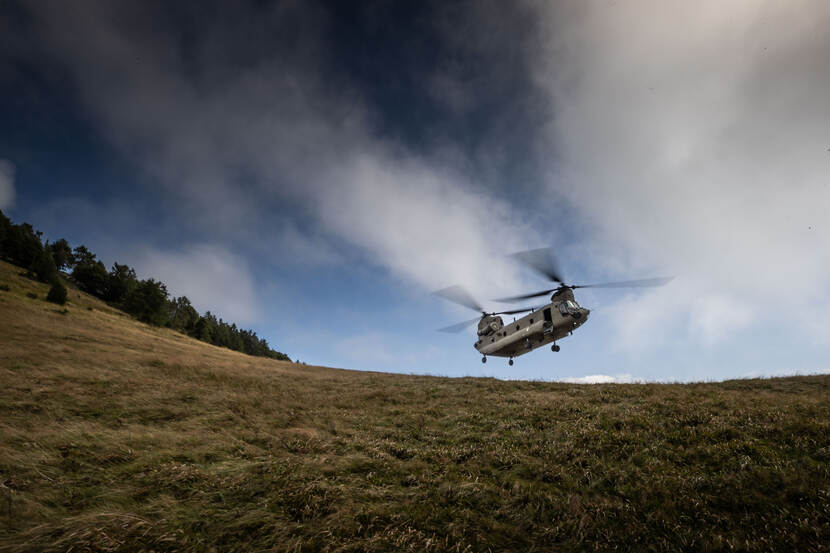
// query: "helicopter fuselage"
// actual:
[[543, 326]]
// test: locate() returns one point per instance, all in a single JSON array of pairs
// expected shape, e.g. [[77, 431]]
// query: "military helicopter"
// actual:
[[544, 324]]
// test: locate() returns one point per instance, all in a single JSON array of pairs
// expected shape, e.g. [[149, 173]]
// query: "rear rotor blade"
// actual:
[[541, 260], [643, 283], [514, 299], [458, 327], [459, 295]]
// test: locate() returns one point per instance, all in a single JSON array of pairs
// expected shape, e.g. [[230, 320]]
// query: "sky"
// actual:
[[315, 170]]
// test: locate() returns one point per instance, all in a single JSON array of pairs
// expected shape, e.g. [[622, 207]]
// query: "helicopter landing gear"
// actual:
[[554, 347], [510, 362], [484, 359]]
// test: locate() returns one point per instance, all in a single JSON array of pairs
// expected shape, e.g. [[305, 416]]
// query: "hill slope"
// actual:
[[118, 436]]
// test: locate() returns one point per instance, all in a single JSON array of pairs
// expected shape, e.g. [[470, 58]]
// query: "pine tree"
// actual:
[[148, 302], [120, 282], [92, 277], [62, 254], [44, 266]]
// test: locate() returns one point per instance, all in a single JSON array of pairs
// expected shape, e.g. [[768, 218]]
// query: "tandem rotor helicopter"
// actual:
[[543, 324]]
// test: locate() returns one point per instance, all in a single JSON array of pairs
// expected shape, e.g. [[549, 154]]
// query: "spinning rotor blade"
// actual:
[[541, 261], [459, 326], [514, 311], [459, 295], [643, 283], [514, 299]]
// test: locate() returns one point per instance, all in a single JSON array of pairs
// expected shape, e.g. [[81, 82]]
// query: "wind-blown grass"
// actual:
[[116, 436]]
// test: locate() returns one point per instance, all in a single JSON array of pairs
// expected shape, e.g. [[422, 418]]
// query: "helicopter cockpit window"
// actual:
[[568, 307]]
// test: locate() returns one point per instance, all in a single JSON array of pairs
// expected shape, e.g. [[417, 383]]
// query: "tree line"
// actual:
[[147, 300]]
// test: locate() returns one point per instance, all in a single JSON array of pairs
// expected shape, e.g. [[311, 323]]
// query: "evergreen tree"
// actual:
[[81, 255], [91, 277], [62, 254], [148, 302], [221, 335], [202, 330], [235, 339], [120, 282], [22, 245], [44, 266], [182, 315]]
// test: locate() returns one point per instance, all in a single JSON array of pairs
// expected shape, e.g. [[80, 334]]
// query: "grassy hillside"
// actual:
[[115, 436]]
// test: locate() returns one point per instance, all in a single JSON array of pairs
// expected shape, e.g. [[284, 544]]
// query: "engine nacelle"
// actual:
[[489, 325]]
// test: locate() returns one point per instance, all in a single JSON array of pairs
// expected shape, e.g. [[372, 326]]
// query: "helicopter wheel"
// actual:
[[554, 347], [484, 359], [510, 362]]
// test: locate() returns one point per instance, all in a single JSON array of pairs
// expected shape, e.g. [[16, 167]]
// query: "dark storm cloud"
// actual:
[[254, 115]]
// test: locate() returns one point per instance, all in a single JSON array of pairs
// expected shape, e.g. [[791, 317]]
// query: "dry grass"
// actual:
[[115, 436]]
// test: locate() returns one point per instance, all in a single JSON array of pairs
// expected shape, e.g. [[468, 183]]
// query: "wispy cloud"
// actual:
[[6, 184], [213, 278]]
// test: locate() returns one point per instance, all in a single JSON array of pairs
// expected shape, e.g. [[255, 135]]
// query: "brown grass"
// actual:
[[116, 436]]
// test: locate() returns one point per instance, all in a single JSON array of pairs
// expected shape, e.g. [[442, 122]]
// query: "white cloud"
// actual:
[[716, 316], [212, 278], [6, 184], [424, 221], [692, 139], [602, 379]]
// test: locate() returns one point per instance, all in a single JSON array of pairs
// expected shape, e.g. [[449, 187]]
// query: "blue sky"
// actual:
[[314, 170]]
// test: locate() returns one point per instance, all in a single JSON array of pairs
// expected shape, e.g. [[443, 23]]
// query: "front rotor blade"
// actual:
[[514, 311], [514, 299], [643, 283], [541, 261], [459, 326], [459, 295]]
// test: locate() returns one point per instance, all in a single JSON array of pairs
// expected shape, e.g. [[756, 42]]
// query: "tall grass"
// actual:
[[115, 436]]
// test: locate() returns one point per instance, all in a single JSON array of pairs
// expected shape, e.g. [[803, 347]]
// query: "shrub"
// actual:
[[5, 288], [31, 295], [57, 293], [44, 266]]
